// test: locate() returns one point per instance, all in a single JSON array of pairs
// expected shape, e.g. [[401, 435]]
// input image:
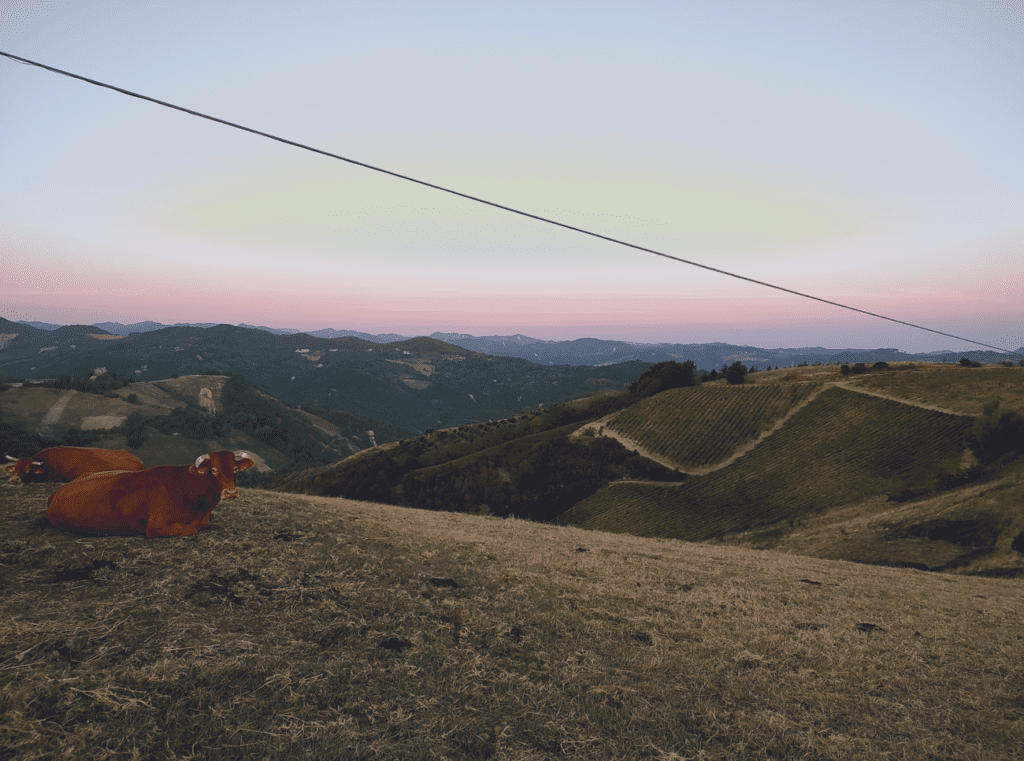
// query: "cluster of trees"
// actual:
[[859, 368], [663, 376], [536, 477], [287, 431], [666, 375], [995, 434], [105, 383], [735, 373], [18, 441], [192, 424]]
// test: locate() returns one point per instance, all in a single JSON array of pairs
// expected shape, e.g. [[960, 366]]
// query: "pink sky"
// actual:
[[866, 153]]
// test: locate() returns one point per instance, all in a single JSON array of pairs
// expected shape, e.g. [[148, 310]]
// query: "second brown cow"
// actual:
[[68, 463]]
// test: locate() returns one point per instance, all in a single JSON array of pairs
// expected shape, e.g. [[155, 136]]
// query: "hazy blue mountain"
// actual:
[[596, 352], [118, 329], [38, 325], [383, 338], [275, 331]]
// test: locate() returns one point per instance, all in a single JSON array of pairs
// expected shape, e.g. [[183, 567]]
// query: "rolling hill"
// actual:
[[175, 420], [411, 385], [839, 448], [758, 465]]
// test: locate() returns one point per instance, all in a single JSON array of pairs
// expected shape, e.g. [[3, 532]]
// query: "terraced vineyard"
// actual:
[[695, 427], [842, 447]]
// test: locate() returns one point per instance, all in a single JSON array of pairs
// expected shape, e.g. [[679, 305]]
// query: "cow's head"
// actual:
[[25, 469], [221, 467]]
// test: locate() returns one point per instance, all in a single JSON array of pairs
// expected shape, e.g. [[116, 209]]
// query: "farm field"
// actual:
[[965, 390], [701, 426], [843, 446], [308, 628]]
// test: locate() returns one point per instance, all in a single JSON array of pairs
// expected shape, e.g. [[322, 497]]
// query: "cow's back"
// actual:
[[113, 502], [69, 463]]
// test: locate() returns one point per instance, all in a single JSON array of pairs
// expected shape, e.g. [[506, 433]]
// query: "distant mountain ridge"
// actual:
[[412, 385], [597, 352]]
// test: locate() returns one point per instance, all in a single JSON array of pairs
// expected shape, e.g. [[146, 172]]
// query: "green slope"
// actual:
[[703, 425], [843, 446]]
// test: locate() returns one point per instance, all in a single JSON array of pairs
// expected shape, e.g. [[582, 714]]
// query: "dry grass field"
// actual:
[[965, 390], [314, 628]]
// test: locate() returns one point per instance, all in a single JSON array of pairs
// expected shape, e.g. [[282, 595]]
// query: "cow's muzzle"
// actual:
[[14, 480], [228, 494]]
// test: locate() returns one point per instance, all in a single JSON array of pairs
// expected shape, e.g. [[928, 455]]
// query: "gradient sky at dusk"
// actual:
[[869, 153]]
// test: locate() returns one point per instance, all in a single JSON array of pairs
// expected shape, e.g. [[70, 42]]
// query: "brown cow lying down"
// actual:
[[68, 463], [173, 500]]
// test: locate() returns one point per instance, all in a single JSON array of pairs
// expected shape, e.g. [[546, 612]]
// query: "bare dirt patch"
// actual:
[[102, 422]]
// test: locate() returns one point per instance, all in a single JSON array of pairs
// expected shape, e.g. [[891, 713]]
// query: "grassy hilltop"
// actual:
[[308, 628]]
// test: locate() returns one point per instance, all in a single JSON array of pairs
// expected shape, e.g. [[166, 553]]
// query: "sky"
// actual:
[[867, 153]]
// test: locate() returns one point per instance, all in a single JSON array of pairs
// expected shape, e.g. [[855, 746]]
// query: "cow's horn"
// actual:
[[12, 458], [199, 460], [37, 463], [241, 456]]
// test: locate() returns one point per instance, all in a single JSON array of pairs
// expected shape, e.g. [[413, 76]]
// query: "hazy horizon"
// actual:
[[527, 335], [865, 153]]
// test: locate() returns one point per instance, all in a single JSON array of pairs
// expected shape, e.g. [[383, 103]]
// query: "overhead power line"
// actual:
[[492, 203]]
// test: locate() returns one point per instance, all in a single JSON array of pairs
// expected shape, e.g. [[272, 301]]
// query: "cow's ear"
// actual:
[[38, 471], [244, 464], [10, 468]]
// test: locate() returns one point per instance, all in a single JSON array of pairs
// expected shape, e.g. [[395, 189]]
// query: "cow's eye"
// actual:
[[214, 471], [236, 469]]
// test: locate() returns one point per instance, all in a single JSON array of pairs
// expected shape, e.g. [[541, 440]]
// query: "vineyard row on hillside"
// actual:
[[841, 447], [693, 427]]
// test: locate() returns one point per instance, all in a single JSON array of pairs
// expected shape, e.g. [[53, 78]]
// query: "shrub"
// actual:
[[881, 365], [844, 369], [859, 368], [736, 373], [132, 398], [1017, 545], [74, 437], [995, 434]]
